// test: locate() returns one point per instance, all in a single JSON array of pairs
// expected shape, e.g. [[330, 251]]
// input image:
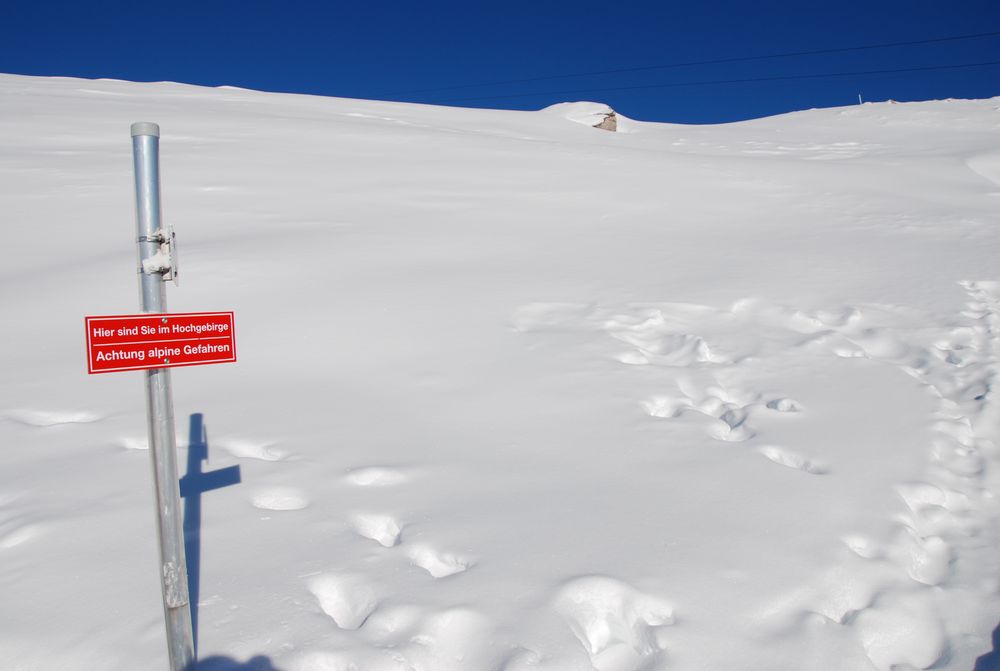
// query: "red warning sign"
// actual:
[[139, 342]]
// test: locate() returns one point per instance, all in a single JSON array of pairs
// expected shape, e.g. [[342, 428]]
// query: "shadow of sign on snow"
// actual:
[[219, 663], [991, 660], [193, 484]]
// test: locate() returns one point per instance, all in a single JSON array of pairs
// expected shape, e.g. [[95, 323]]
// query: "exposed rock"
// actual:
[[595, 115], [610, 122]]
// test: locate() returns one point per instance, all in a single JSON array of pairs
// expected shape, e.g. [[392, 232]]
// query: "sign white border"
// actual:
[[88, 321]]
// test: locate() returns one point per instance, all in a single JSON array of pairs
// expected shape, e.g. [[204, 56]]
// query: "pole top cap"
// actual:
[[145, 128]]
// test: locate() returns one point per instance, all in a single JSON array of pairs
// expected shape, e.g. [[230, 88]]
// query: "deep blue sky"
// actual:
[[385, 50]]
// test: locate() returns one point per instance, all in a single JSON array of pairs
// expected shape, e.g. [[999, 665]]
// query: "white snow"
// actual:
[[157, 263], [383, 529], [513, 394]]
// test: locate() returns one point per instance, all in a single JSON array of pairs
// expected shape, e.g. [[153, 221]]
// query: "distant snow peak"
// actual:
[[596, 115]]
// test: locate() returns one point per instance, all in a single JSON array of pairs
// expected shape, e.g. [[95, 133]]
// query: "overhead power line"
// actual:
[[715, 61], [722, 81]]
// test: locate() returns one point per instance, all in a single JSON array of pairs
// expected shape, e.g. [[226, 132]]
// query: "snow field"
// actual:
[[514, 394]]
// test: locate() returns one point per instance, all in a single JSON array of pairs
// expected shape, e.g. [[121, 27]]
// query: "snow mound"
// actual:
[[384, 529], [348, 599], [595, 115], [616, 624]]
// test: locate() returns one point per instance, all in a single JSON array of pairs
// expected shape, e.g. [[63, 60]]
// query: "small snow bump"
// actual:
[[864, 547], [926, 560], [904, 631], [376, 476], [614, 622], [383, 529], [250, 449], [390, 621], [41, 418], [792, 459], [279, 498], [633, 358], [784, 405], [667, 407], [347, 599], [133, 443], [439, 564], [20, 535], [728, 434]]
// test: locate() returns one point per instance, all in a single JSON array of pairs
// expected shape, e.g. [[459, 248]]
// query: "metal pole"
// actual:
[[160, 407]]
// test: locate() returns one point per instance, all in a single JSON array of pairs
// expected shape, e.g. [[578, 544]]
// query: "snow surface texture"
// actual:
[[514, 394]]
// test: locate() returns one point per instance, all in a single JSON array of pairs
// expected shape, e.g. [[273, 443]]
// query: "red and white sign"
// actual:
[[139, 342]]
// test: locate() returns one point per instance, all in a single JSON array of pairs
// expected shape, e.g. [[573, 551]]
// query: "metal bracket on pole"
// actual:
[[157, 262], [165, 261]]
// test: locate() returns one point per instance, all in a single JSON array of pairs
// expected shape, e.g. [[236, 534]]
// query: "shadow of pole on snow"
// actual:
[[193, 484]]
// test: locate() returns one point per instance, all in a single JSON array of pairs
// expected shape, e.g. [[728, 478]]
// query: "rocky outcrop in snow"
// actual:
[[596, 115]]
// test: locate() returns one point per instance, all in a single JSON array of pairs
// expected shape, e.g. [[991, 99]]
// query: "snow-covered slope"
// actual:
[[513, 393]]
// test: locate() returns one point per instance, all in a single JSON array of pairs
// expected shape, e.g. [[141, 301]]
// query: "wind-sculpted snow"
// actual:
[[50, 417], [346, 599], [279, 498], [618, 626], [515, 393], [383, 529], [883, 598]]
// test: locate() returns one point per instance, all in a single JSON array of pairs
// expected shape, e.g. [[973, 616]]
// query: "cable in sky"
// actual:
[[735, 59], [719, 82]]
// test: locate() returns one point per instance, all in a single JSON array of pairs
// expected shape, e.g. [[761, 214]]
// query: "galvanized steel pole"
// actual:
[[159, 404]]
